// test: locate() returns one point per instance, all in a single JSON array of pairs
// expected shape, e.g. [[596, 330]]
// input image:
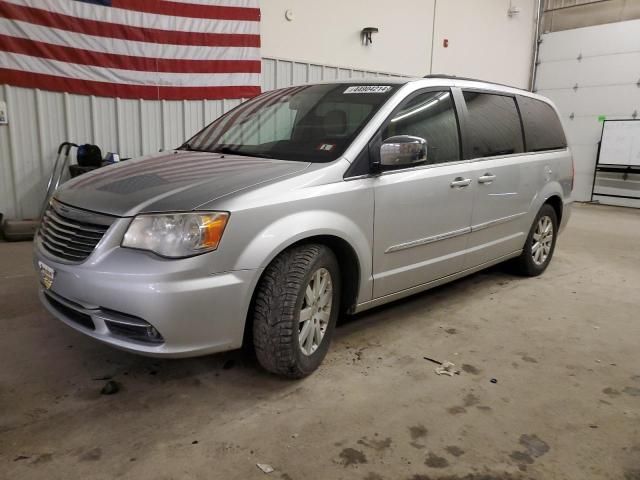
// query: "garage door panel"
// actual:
[[584, 160], [611, 69], [613, 100], [582, 130], [594, 71], [596, 40], [557, 75]]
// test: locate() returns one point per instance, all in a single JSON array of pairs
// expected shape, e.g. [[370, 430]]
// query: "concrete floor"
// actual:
[[564, 348]]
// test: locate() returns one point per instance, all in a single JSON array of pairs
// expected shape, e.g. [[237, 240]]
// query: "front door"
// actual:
[[423, 213]]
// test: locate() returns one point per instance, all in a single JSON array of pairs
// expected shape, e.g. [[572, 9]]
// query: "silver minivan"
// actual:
[[302, 204]]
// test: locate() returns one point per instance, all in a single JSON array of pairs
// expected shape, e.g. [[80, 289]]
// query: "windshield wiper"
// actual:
[[232, 151]]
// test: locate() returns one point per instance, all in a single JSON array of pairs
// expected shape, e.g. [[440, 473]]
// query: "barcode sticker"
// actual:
[[368, 89]]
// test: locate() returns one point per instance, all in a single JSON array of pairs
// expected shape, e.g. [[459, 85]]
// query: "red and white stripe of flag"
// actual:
[[179, 49]]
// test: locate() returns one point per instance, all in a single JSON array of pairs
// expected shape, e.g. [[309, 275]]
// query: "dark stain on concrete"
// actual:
[[528, 359], [484, 408], [286, 476], [535, 446], [521, 457], [470, 400], [612, 392], [373, 476], [451, 331], [417, 445], [456, 410], [351, 456], [633, 391], [471, 476], [454, 450], [43, 458], [467, 368], [636, 378], [376, 444], [633, 474], [92, 455], [434, 461], [418, 431]]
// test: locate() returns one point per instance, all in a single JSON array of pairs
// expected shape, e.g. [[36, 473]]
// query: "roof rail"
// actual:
[[455, 77]]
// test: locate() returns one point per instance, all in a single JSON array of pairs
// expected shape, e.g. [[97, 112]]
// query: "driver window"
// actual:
[[429, 115]]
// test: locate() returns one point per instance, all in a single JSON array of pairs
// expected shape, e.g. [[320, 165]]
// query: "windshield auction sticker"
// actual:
[[367, 89]]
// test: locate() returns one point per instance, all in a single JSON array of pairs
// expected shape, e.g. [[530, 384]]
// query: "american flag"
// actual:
[[148, 49]]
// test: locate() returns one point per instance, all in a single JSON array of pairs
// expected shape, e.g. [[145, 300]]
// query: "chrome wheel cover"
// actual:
[[315, 311], [542, 240]]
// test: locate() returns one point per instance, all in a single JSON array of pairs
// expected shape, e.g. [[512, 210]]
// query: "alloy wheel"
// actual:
[[315, 311], [542, 240]]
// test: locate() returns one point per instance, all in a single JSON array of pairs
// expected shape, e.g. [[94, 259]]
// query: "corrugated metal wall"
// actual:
[[40, 120]]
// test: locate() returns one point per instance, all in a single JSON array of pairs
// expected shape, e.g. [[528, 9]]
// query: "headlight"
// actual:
[[176, 234]]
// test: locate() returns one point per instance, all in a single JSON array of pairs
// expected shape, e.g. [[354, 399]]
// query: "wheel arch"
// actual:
[[556, 202], [350, 271]]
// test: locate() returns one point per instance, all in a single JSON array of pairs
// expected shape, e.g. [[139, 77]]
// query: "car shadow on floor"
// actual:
[[492, 278]]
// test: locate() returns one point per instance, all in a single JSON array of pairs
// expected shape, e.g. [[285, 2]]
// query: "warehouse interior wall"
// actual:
[[328, 32], [484, 41], [321, 42]]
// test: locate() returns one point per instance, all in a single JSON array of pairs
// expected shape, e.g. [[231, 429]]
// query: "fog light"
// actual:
[[153, 334]]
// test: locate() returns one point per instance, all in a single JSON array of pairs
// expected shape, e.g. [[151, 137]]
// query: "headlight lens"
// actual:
[[178, 234]]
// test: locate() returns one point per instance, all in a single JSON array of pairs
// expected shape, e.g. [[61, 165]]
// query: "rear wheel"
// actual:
[[540, 244], [296, 308]]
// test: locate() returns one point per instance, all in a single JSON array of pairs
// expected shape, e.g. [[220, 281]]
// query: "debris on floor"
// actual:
[[432, 360], [110, 388], [265, 467], [494, 380], [447, 368]]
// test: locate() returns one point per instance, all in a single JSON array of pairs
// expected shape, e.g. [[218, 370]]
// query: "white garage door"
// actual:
[[591, 74]]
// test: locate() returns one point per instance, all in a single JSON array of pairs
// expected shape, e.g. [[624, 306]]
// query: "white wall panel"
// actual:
[[591, 72], [39, 121]]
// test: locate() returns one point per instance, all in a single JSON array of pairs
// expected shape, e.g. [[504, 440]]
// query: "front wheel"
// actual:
[[296, 307], [540, 244]]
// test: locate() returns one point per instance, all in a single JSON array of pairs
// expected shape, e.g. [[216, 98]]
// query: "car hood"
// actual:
[[169, 181]]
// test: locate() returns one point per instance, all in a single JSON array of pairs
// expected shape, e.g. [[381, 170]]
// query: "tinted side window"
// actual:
[[432, 116], [542, 127], [494, 125]]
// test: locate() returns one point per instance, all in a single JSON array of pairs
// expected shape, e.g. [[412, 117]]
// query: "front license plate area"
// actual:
[[47, 274]]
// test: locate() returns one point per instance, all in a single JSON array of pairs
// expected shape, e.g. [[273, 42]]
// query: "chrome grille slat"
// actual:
[[58, 228], [79, 225], [66, 236], [63, 245], [72, 239], [61, 253]]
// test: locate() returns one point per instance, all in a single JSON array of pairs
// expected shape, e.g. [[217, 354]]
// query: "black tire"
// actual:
[[525, 264], [279, 298]]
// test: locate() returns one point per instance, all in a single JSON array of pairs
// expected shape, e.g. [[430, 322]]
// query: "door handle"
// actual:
[[486, 178], [460, 182]]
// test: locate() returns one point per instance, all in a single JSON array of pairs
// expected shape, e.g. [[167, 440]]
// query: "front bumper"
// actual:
[[196, 313]]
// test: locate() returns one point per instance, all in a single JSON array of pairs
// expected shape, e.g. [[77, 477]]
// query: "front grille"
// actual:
[[71, 313], [67, 238]]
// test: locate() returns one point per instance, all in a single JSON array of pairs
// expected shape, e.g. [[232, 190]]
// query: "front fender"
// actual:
[[286, 231]]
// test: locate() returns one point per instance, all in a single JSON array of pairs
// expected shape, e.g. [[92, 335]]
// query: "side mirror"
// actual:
[[403, 150]]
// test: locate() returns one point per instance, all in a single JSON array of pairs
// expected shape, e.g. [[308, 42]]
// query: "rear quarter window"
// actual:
[[542, 127]]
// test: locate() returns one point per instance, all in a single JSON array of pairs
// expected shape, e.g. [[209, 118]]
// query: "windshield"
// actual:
[[313, 123]]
